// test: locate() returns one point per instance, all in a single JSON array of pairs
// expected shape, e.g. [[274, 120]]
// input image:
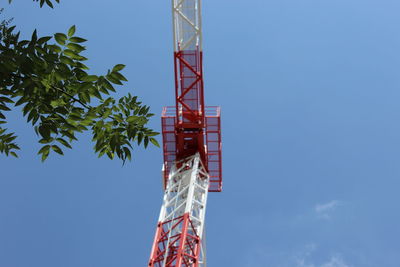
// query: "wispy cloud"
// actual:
[[324, 210], [335, 261], [302, 258], [305, 256], [305, 259]]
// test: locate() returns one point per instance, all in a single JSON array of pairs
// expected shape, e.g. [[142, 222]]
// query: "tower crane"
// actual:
[[191, 148]]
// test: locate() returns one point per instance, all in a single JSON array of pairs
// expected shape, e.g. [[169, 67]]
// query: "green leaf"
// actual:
[[81, 66], [75, 47], [118, 76], [77, 40], [64, 142], [46, 141], [118, 67], [45, 151], [45, 155], [3, 107], [6, 99], [110, 155], [12, 153], [127, 153], [131, 133], [154, 142], [70, 53], [6, 92], [60, 38], [40, 50], [55, 103], [104, 150], [35, 119], [23, 43], [113, 80], [85, 86], [69, 135], [43, 40], [54, 48], [44, 131], [140, 138], [49, 3], [57, 149], [90, 78], [31, 115], [67, 60], [108, 85], [71, 31], [132, 119], [153, 134], [9, 137], [34, 36]]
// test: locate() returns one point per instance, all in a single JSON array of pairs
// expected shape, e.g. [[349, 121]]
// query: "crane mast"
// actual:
[[191, 147]]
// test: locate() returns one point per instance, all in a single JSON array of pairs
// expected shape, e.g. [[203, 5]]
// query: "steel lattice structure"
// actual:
[[181, 222], [192, 149]]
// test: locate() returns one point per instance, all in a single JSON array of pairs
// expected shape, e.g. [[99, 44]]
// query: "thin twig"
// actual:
[[71, 96]]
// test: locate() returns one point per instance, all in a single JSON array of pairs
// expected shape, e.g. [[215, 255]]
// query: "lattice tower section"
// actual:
[[178, 239]]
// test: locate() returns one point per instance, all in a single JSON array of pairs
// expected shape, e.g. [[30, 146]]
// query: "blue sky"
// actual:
[[310, 94]]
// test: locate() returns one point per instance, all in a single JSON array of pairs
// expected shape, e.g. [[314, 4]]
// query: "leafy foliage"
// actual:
[[57, 94], [42, 2]]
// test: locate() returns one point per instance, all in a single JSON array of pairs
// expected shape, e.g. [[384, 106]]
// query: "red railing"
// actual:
[[212, 141]]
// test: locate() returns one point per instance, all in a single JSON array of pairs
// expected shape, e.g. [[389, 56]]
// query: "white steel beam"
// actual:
[[186, 15], [185, 195]]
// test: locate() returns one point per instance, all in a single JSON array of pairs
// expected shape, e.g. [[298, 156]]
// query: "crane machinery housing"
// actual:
[[192, 149]]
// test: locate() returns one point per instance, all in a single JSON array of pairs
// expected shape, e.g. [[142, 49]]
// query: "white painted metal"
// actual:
[[186, 192], [186, 15], [203, 251]]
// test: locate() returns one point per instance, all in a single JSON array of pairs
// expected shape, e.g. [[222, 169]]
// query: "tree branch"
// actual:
[[71, 96]]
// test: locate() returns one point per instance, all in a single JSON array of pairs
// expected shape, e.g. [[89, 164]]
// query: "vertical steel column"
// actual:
[[178, 238]]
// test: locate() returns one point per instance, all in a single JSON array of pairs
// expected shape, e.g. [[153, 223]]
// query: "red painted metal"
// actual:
[[213, 147], [212, 139], [190, 126], [189, 103], [184, 247]]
